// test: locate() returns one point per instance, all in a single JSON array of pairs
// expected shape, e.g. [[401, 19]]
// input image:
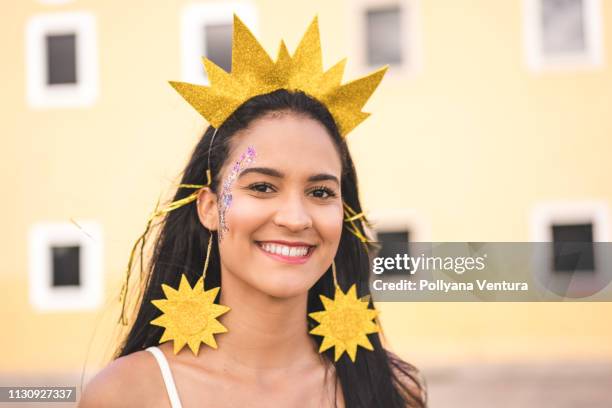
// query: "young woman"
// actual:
[[270, 229]]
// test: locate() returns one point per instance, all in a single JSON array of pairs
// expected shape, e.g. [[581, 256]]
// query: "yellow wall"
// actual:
[[471, 143]]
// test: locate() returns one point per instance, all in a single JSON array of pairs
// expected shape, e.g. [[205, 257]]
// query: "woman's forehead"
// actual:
[[290, 143]]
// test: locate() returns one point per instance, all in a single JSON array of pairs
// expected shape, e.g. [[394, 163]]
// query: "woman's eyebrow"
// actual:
[[262, 170], [278, 174], [324, 177]]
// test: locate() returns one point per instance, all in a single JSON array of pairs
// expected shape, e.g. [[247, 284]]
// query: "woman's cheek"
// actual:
[[329, 221], [246, 214]]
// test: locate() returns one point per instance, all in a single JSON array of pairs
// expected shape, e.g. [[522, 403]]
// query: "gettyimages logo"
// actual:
[[428, 263]]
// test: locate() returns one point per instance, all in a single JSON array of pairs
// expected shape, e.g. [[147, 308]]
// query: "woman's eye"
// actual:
[[261, 188], [323, 192]]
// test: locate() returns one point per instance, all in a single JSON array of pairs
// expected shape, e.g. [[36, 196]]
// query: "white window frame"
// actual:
[[44, 297], [545, 214], [532, 34], [399, 220], [194, 17], [412, 48], [82, 94]]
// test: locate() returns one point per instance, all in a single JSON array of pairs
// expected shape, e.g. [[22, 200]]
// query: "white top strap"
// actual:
[[175, 402]]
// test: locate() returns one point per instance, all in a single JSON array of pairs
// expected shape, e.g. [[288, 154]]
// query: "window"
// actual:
[[65, 263], [563, 34], [389, 34], [570, 219], [66, 269], [384, 36], [218, 40], [397, 230], [573, 248], [61, 60], [562, 23], [207, 32], [394, 243], [570, 254], [400, 224]]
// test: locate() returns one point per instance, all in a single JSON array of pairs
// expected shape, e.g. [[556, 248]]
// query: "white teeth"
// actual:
[[285, 250]]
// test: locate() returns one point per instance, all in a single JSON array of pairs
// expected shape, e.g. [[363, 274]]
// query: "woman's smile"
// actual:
[[287, 252]]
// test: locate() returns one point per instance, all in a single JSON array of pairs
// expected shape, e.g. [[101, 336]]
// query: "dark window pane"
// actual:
[[219, 45], [573, 248], [384, 38], [61, 59], [66, 266], [562, 26], [392, 244]]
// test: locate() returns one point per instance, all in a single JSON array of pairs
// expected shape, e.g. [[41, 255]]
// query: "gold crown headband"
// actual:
[[254, 73]]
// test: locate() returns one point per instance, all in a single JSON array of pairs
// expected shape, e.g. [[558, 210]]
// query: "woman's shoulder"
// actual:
[[128, 381]]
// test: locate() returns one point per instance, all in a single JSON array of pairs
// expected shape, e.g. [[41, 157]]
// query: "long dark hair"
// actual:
[[378, 378]]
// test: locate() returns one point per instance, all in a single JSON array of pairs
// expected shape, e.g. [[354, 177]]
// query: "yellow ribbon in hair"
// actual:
[[142, 238], [351, 216]]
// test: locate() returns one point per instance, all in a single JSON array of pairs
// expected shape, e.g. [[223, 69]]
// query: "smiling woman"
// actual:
[[279, 207], [273, 233]]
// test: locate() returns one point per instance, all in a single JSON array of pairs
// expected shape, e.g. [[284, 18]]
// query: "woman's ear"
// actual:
[[207, 209]]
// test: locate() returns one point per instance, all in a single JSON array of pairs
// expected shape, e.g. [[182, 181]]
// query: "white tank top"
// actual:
[[175, 402]]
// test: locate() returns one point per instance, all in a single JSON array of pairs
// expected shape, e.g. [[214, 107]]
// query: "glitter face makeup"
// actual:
[[243, 162]]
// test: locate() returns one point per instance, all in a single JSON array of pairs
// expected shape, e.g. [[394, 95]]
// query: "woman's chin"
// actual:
[[284, 289]]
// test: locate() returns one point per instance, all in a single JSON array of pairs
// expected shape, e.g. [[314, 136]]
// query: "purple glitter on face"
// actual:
[[245, 160]]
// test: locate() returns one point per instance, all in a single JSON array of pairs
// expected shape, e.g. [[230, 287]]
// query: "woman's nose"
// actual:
[[293, 215]]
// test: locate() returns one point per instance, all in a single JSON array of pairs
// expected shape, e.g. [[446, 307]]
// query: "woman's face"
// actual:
[[279, 209]]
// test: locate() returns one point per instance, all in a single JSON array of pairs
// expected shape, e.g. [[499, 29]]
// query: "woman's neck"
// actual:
[[265, 334]]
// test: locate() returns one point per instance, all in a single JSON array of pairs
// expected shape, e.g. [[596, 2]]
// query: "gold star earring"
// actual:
[[190, 314], [345, 322]]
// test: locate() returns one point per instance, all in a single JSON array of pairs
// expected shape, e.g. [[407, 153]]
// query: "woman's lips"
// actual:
[[276, 246]]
